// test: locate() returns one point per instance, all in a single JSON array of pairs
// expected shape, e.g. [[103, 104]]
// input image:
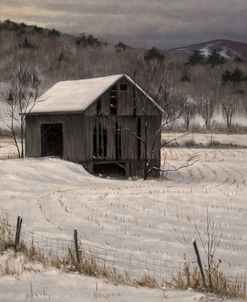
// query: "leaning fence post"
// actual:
[[199, 262], [18, 232], [76, 245]]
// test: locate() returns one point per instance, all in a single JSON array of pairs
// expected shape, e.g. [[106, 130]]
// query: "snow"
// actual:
[[135, 224], [56, 286], [205, 51], [134, 220], [78, 95], [224, 54], [7, 148], [67, 96], [4, 116], [37, 283]]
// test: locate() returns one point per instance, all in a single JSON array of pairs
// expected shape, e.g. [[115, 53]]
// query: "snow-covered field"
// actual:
[[39, 284], [134, 225], [205, 139]]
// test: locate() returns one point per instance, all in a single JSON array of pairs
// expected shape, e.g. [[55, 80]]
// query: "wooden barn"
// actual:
[[108, 124]]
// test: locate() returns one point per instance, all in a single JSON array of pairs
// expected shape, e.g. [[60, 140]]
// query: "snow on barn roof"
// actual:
[[77, 95]]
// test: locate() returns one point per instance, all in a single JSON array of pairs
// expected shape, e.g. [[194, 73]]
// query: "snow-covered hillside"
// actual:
[[226, 48]]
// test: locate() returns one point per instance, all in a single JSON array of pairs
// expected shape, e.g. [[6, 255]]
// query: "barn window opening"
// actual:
[[99, 141], [139, 138], [99, 106], [52, 140], [118, 149], [124, 87], [113, 101]]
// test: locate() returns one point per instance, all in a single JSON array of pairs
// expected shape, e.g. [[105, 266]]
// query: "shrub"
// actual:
[[216, 282]]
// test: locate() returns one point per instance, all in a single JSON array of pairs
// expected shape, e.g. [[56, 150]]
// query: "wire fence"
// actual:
[[131, 263], [135, 263]]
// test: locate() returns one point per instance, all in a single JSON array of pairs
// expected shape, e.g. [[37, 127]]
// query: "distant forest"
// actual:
[[203, 85]]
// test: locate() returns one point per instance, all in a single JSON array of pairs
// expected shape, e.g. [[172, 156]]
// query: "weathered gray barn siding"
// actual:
[[72, 134], [78, 136], [133, 107], [128, 137]]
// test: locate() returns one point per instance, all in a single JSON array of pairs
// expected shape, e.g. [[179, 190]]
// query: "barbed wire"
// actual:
[[133, 264]]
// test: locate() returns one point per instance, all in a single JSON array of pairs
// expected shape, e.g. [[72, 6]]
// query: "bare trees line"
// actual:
[[198, 87]]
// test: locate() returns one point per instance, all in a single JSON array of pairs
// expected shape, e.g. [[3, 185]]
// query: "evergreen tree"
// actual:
[[154, 53], [215, 59], [195, 58], [87, 40], [121, 46], [236, 76]]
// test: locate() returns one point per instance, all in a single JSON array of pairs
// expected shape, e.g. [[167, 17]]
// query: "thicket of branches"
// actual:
[[206, 85]]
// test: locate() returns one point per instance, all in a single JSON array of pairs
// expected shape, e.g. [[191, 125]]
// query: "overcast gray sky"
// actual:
[[163, 23]]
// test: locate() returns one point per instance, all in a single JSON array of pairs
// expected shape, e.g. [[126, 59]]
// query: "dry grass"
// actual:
[[220, 284], [5, 238], [147, 281], [88, 266]]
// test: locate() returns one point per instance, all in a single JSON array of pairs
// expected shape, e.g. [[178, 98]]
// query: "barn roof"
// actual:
[[77, 95]]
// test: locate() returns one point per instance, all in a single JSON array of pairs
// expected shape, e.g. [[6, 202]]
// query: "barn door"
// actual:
[[52, 140]]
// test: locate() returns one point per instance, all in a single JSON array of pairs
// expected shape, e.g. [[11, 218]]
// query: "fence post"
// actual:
[[199, 262], [18, 232], [76, 246]]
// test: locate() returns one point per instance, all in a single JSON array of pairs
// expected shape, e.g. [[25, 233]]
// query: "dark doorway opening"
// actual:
[[52, 140]]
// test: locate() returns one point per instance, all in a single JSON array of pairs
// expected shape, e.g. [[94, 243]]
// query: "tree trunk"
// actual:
[[145, 173], [22, 139], [146, 167]]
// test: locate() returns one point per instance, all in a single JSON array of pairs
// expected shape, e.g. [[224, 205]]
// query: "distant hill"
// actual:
[[227, 48]]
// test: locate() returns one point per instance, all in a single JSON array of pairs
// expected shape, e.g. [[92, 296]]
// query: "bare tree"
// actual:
[[229, 101], [158, 81], [206, 108], [210, 245], [228, 109], [188, 109], [20, 98]]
